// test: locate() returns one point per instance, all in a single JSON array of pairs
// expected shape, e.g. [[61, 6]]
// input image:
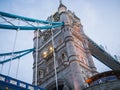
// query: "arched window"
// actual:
[[59, 61], [41, 73], [60, 40], [64, 56], [52, 86]]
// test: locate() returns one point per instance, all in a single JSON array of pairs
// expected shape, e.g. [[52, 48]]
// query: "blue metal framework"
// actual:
[[48, 24], [14, 84], [3, 26], [28, 19], [6, 81], [17, 53]]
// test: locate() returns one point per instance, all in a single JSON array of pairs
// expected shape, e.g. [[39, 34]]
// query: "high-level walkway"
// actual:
[[8, 83], [102, 55]]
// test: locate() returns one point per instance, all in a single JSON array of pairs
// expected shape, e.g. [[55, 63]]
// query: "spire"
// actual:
[[61, 4], [60, 1]]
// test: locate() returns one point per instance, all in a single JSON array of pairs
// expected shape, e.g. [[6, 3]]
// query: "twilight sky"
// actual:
[[100, 19]]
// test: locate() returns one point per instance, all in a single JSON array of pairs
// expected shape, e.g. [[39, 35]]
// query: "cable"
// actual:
[[2, 67], [54, 57], [17, 67], [28, 23], [12, 52], [18, 58], [6, 20], [13, 49]]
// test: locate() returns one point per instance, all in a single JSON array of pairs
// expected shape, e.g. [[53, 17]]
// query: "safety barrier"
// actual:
[[8, 82]]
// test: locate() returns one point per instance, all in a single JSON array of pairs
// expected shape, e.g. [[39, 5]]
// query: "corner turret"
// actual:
[[61, 8]]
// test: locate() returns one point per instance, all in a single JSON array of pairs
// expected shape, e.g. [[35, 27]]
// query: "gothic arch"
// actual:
[[52, 86]]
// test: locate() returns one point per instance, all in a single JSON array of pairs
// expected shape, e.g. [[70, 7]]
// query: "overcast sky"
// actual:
[[100, 19]]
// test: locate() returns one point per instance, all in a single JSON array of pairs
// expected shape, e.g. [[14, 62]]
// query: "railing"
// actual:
[[18, 83]]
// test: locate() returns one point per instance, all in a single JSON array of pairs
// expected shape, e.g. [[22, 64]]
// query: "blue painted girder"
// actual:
[[28, 19], [14, 84], [3, 26], [22, 53], [48, 26], [17, 52]]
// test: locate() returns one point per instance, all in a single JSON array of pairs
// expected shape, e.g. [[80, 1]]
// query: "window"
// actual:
[[64, 57], [41, 74], [51, 66], [60, 41], [47, 54], [59, 61]]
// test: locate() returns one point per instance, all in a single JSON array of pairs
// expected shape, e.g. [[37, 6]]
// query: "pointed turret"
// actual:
[[62, 7]]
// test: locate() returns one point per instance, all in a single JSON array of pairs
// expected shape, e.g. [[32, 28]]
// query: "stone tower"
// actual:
[[74, 62]]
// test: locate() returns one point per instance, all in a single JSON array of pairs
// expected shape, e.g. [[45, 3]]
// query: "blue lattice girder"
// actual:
[[27, 19], [48, 24], [3, 26], [19, 55], [15, 84], [17, 52]]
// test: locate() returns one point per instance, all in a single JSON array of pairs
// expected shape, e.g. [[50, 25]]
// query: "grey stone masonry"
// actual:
[[73, 60]]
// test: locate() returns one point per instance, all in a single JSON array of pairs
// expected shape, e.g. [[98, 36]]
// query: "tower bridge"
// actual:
[[62, 53]]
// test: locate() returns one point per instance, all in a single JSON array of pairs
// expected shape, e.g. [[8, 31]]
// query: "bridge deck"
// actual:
[[8, 83], [103, 56]]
